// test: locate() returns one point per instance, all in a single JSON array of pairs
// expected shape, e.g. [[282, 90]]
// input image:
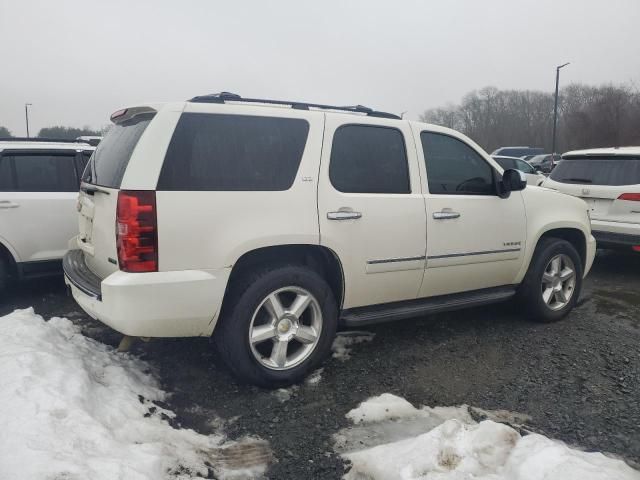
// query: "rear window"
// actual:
[[109, 161], [598, 171], [217, 152]]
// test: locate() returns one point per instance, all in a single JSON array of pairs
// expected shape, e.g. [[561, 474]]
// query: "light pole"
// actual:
[[555, 113], [26, 116]]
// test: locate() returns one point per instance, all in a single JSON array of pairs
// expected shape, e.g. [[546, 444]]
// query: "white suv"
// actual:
[[39, 183], [269, 223], [608, 179]]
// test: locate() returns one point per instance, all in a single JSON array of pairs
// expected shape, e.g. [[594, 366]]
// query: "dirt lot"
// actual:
[[578, 379]]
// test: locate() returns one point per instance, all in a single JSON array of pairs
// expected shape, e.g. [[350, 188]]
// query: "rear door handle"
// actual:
[[445, 215], [343, 215], [8, 204]]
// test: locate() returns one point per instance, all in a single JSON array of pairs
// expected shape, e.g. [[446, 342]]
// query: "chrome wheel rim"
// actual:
[[285, 328], [558, 282]]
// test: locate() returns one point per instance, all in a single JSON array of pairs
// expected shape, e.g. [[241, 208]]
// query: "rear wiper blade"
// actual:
[[91, 189]]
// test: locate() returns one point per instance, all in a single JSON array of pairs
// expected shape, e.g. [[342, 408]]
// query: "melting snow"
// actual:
[[346, 339], [394, 440], [73, 408]]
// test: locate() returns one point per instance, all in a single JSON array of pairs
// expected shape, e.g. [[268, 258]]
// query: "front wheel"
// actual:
[[553, 282], [277, 325]]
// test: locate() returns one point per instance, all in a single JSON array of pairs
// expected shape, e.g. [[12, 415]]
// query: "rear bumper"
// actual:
[[616, 234], [157, 304]]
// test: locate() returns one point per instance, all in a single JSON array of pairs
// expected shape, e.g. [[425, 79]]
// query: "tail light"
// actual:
[[632, 197], [137, 231]]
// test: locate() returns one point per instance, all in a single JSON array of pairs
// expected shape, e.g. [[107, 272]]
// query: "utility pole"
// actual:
[[26, 116], [555, 113]]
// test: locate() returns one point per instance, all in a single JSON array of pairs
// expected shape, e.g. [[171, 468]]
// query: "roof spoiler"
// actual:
[[125, 114]]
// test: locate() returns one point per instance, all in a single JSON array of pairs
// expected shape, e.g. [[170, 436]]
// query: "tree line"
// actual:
[[588, 116], [58, 132]]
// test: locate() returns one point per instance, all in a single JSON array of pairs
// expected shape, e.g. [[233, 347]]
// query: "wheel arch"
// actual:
[[574, 236], [321, 259], [571, 233], [9, 256]]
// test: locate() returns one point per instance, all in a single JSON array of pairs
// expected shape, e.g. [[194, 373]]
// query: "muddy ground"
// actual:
[[578, 379]]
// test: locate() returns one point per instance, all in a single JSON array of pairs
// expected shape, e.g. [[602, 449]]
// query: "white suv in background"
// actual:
[[608, 179], [39, 182], [533, 176], [267, 223]]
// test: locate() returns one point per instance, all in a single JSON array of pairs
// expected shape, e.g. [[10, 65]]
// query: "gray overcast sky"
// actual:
[[77, 61]]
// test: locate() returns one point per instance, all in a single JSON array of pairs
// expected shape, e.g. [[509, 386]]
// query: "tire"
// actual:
[[549, 298], [251, 309]]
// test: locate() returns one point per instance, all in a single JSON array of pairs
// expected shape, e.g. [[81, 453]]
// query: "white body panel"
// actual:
[[483, 247], [535, 179], [383, 252], [36, 226], [395, 251], [213, 229]]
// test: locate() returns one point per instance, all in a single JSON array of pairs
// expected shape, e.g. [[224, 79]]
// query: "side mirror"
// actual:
[[537, 169], [512, 181]]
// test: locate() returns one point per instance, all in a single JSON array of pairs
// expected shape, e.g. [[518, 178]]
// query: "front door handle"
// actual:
[[445, 215], [343, 215], [8, 204]]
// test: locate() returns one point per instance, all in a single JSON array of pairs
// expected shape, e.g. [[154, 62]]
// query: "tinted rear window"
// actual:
[[233, 153], [598, 171], [109, 161]]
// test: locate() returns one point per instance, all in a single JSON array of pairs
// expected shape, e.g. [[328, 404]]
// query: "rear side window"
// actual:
[[109, 161], [524, 167], [369, 159], [598, 171], [7, 183], [506, 163], [454, 168], [233, 153], [39, 173]]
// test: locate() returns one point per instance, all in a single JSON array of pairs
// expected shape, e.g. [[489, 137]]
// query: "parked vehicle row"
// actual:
[[39, 183], [268, 223]]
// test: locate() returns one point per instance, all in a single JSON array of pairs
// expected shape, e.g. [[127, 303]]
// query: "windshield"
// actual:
[[110, 159], [598, 171]]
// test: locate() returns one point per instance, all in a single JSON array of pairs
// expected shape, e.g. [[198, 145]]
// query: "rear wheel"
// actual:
[[553, 282], [277, 325]]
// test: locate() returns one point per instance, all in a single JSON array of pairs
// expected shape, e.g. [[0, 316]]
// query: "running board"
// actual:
[[355, 317]]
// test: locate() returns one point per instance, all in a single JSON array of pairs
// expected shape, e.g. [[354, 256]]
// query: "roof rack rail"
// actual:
[[224, 97], [39, 139]]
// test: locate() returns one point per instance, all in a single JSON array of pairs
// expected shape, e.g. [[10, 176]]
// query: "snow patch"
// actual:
[[285, 394], [394, 440], [315, 377], [346, 339], [73, 408]]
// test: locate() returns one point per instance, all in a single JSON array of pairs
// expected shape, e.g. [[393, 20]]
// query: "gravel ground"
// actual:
[[578, 379]]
